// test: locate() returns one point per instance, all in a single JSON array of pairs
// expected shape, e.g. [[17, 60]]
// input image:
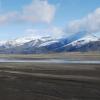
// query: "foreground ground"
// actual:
[[41, 81]]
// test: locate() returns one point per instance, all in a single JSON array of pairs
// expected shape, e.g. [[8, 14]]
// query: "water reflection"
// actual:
[[52, 61]]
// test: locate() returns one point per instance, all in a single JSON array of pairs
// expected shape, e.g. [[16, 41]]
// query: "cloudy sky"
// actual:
[[48, 17]]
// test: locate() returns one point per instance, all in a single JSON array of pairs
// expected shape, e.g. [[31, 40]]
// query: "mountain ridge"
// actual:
[[81, 41]]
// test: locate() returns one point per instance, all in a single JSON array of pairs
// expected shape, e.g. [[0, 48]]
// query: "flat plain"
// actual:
[[50, 81]]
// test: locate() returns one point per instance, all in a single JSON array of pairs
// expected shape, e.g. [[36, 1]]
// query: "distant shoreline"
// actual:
[[69, 56]]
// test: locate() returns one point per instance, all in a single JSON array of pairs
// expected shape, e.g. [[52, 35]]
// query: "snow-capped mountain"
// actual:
[[78, 44], [81, 41], [2, 43], [84, 40], [23, 40]]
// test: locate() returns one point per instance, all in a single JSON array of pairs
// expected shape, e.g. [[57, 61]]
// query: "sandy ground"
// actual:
[[29, 81]]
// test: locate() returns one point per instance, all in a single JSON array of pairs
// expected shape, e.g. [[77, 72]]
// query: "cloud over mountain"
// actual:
[[53, 31], [89, 23]]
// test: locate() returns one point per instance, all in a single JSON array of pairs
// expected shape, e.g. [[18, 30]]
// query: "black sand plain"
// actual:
[[49, 81]]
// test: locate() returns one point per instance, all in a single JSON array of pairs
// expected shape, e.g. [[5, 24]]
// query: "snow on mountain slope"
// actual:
[[25, 39], [31, 37], [84, 40], [47, 38], [48, 43], [79, 42], [2, 42]]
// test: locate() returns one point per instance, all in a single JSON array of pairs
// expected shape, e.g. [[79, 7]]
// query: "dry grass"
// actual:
[[71, 55]]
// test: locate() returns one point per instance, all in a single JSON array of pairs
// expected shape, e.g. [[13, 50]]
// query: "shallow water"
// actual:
[[63, 61]]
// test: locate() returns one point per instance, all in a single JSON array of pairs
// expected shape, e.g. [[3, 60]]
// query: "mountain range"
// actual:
[[81, 42]]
